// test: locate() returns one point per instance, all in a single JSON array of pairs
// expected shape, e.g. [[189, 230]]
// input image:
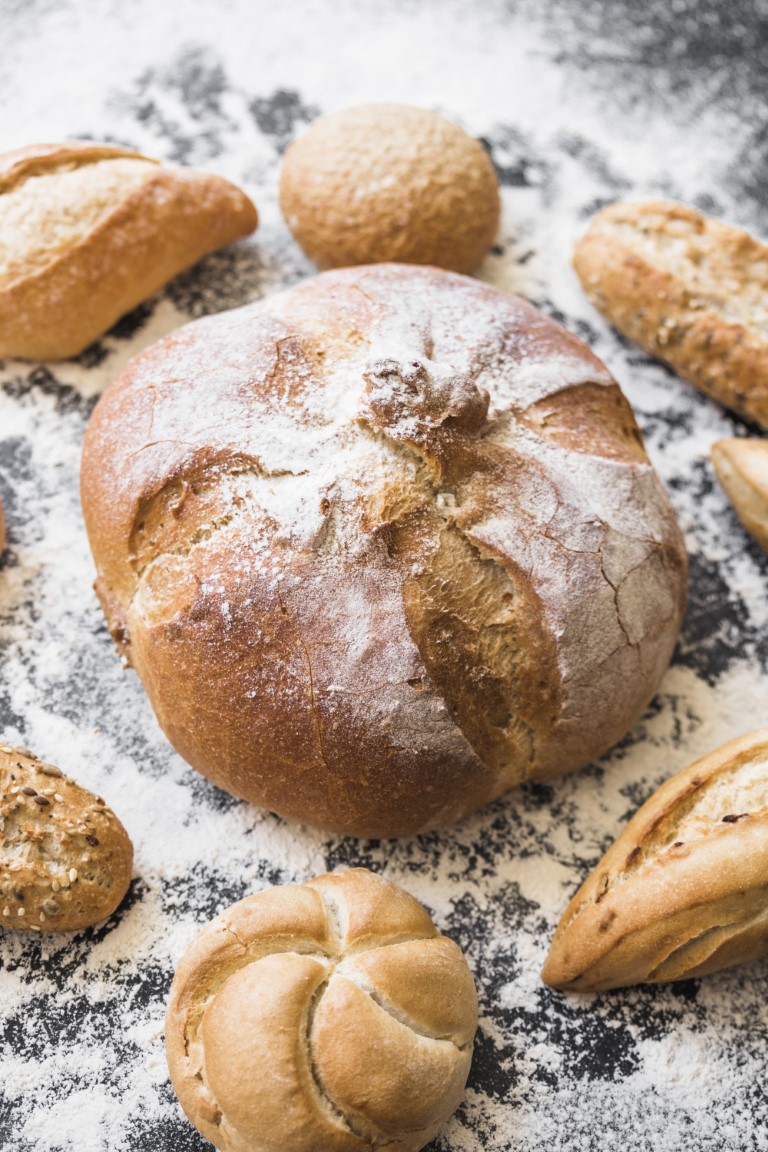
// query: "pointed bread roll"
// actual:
[[88, 231], [742, 469], [684, 890]]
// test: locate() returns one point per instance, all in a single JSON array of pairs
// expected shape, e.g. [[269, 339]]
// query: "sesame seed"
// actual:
[[20, 912], [57, 798], [55, 885], [6, 911], [92, 841], [42, 917], [73, 874]]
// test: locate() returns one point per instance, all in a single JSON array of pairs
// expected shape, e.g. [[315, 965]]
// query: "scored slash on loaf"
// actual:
[[381, 547], [684, 890], [330, 1015]]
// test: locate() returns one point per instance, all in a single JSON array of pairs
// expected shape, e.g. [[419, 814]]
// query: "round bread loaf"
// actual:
[[330, 1015], [381, 547], [390, 182]]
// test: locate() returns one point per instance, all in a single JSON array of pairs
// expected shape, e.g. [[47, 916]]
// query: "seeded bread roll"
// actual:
[[684, 890], [687, 288], [88, 231], [65, 858], [381, 547], [742, 469], [384, 182], [330, 1015]]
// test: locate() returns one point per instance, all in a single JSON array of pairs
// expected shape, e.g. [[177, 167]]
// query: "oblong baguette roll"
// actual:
[[88, 231], [742, 469], [684, 890], [687, 288]]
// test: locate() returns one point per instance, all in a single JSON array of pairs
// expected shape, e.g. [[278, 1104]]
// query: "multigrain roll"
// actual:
[[684, 890], [65, 858], [88, 231], [389, 182], [687, 288], [329, 1015], [381, 547]]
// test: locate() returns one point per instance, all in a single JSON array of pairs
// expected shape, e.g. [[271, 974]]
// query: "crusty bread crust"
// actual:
[[326, 1015], [381, 547], [65, 858], [144, 237], [742, 469], [684, 890], [687, 288]]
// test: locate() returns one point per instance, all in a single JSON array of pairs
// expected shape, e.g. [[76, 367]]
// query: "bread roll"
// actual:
[[384, 182], [684, 890], [742, 469], [65, 858], [381, 547], [687, 288], [330, 1015], [88, 231]]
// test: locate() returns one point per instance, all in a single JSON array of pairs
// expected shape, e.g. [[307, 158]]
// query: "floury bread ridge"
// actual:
[[381, 547]]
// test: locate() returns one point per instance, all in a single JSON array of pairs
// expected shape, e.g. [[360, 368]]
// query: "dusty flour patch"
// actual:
[[81, 1046]]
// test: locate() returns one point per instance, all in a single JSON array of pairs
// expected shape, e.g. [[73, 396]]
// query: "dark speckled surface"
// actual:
[[579, 103]]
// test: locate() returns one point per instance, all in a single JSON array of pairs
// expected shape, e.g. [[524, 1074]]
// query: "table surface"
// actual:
[[580, 102]]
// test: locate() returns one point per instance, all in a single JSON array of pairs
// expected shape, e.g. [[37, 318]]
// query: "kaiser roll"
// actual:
[[330, 1015], [382, 546]]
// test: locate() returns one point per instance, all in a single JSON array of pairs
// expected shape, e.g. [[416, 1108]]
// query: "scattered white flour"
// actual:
[[81, 1055]]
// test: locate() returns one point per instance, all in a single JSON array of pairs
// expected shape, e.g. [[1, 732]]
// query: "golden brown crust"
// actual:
[[742, 469], [65, 858], [327, 1015], [684, 889], [144, 236], [366, 554], [687, 288], [383, 182]]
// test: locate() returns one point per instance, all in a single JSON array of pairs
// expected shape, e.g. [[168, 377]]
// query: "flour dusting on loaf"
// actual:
[[382, 546]]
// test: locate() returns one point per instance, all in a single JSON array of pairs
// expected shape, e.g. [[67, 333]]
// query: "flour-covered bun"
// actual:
[[381, 547], [322, 1017], [382, 182]]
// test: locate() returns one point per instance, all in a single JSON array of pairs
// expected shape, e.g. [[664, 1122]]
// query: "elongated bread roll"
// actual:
[[684, 890], [88, 231], [742, 469], [687, 288]]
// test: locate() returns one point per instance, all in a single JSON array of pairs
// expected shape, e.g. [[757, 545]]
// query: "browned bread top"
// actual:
[[88, 231], [687, 288], [381, 547], [65, 858], [684, 889], [326, 1015]]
